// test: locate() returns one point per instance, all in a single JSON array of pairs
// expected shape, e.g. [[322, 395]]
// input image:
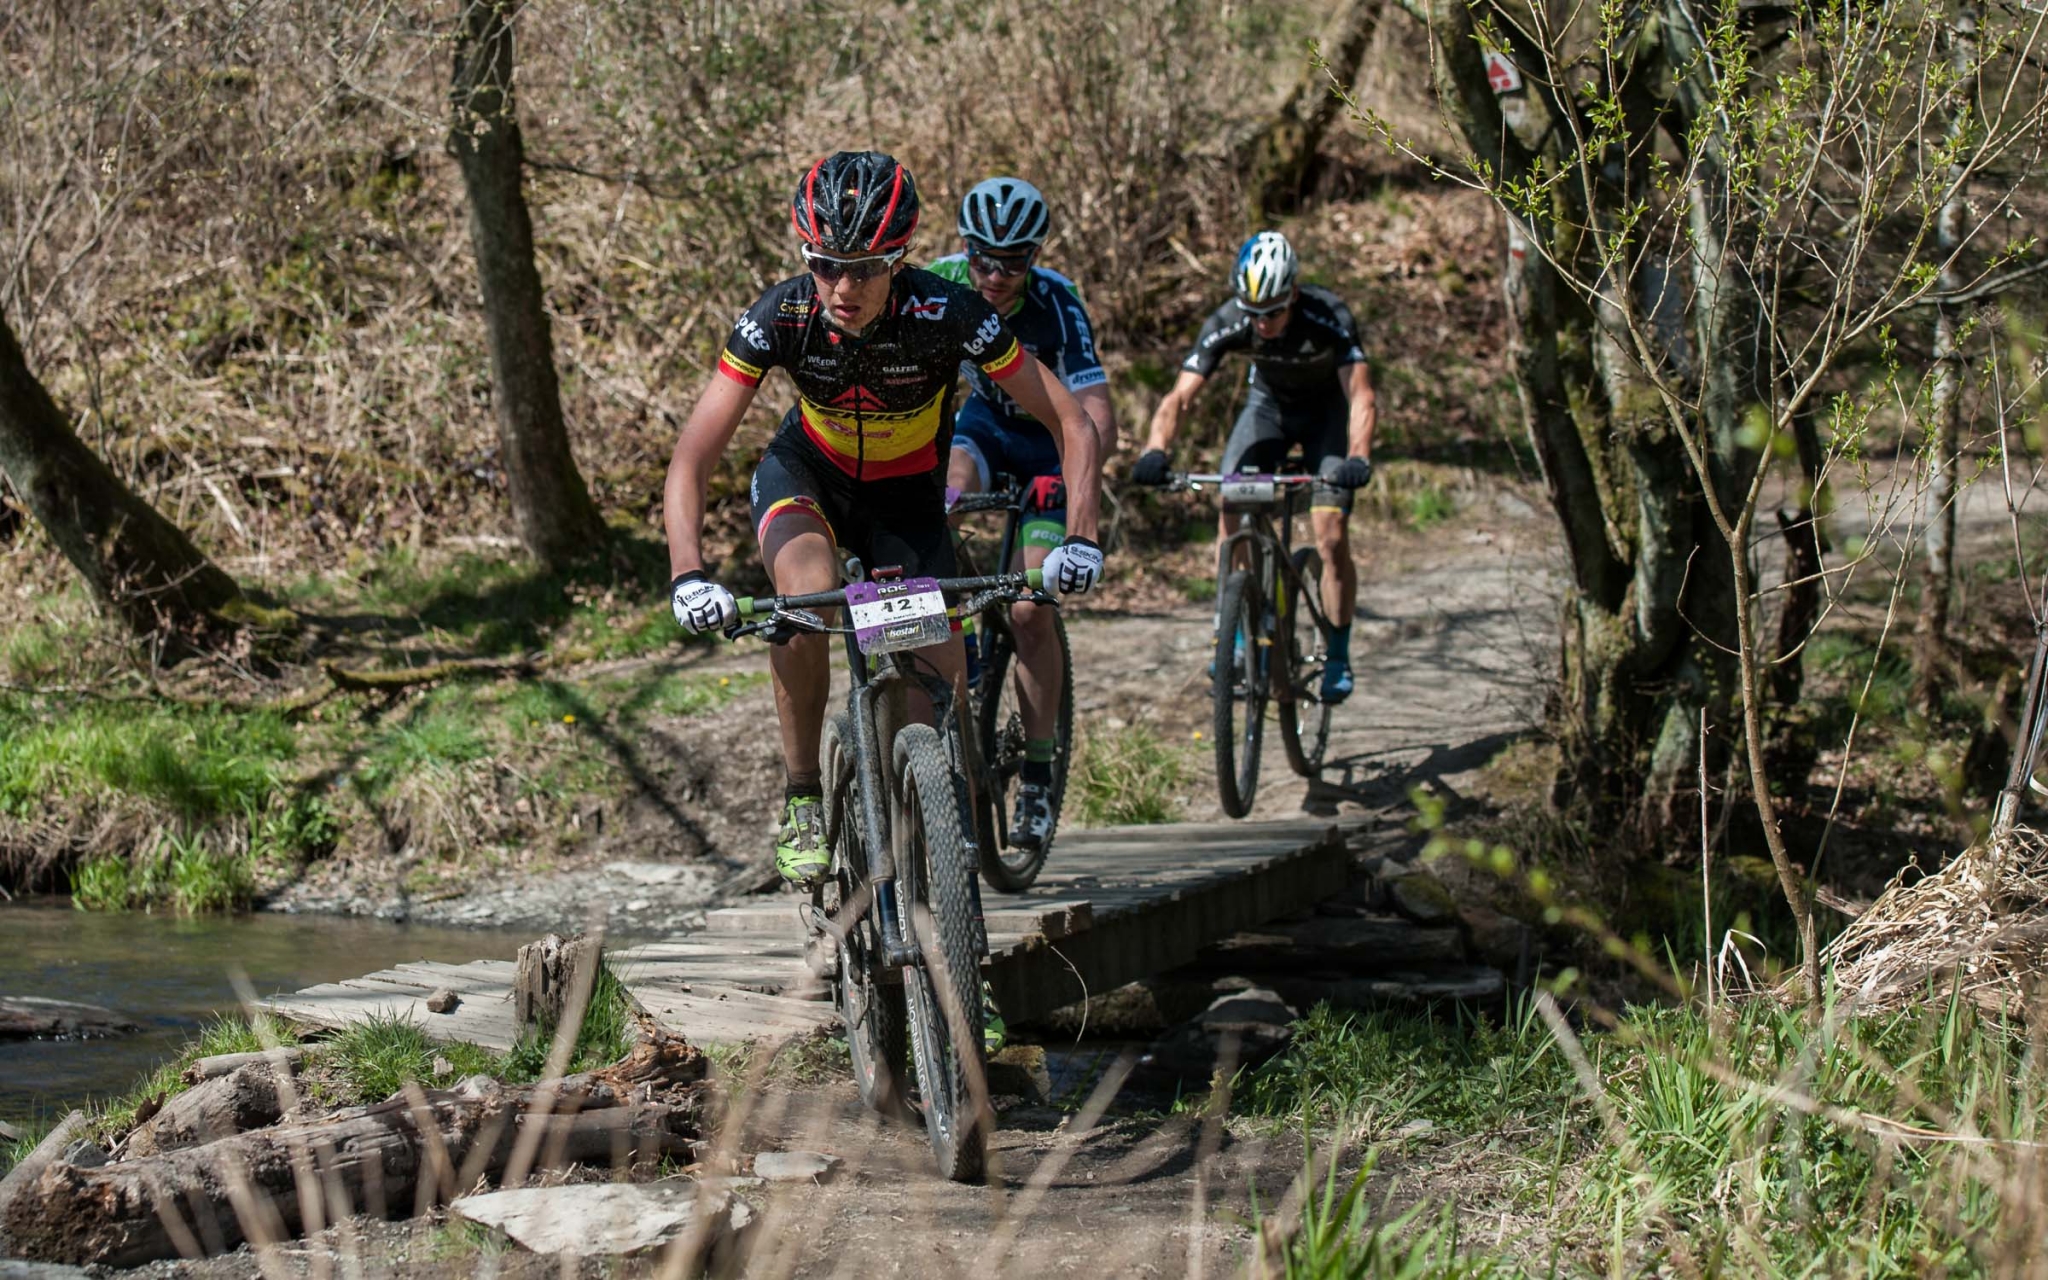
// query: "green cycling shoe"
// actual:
[[800, 853], [995, 1033]]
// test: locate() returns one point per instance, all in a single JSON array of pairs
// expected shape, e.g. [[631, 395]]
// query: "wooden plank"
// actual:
[[713, 1015]]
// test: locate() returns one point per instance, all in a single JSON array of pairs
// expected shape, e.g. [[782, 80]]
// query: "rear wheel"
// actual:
[[1239, 693], [935, 885], [870, 1007], [1000, 716], [1304, 716]]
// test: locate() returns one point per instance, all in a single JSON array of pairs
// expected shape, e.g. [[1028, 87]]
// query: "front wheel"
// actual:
[[1238, 692], [1304, 716], [935, 885], [1000, 717], [870, 1007]]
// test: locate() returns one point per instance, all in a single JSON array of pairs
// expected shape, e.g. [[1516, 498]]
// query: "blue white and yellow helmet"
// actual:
[[1266, 268]]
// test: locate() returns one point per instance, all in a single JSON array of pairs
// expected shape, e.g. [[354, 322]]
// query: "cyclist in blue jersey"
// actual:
[[1003, 221], [1310, 385]]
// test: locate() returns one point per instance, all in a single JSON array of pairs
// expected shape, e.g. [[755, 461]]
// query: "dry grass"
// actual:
[[1978, 925]]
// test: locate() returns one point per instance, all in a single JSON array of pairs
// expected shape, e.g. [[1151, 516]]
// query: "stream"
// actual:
[[170, 974]]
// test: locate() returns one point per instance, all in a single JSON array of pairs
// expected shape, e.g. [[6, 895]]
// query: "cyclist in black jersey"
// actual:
[[873, 347], [1002, 222], [1310, 385]]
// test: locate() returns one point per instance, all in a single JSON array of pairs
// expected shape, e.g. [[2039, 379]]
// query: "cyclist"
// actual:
[[1002, 222], [1309, 385], [872, 346]]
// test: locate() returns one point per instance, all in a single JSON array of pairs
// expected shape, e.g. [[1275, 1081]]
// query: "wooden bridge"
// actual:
[[1113, 906]]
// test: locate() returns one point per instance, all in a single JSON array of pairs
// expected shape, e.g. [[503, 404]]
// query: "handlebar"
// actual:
[[1190, 480], [775, 612], [1000, 500]]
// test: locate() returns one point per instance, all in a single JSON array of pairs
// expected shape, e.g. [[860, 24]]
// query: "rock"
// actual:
[[1501, 941], [1143, 1008], [1239, 1029], [85, 1153], [1020, 1071], [8, 1133], [15, 1269], [647, 872], [222, 1064], [34, 1018], [443, 1001], [795, 1166], [1422, 898], [604, 1218], [1399, 987], [440, 1066]]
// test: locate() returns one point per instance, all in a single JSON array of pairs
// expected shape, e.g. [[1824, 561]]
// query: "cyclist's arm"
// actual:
[[698, 450], [1095, 403], [1166, 418], [1041, 395], [1364, 406]]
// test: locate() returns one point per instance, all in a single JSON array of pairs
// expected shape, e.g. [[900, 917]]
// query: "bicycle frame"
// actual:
[[1270, 545], [875, 716]]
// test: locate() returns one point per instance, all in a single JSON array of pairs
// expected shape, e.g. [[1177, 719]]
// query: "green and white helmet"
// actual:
[[1004, 213], [1266, 268]]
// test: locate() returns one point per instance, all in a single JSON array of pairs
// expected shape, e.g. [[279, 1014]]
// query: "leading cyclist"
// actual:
[[1310, 385], [1002, 222], [873, 346]]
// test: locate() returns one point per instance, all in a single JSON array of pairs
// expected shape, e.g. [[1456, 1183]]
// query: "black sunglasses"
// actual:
[[859, 270], [989, 264]]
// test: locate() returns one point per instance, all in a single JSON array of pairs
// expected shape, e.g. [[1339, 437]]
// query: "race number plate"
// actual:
[[1249, 491], [888, 616]]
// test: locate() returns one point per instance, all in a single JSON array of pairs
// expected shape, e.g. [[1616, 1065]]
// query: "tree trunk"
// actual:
[[558, 523], [1945, 404], [139, 566], [1279, 155]]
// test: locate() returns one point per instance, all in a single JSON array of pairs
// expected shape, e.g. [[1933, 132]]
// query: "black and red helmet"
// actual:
[[854, 203]]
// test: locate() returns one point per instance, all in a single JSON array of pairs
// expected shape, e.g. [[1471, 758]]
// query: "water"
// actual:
[[171, 974]]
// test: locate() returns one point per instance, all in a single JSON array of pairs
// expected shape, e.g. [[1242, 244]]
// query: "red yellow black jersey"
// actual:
[[874, 405]]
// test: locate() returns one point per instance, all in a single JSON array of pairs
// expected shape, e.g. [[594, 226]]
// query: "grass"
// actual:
[[1752, 1141], [226, 1034], [605, 1036], [1430, 505], [1126, 776]]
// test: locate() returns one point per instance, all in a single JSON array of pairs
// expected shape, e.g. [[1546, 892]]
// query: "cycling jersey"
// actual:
[[1300, 364], [875, 405], [1050, 321]]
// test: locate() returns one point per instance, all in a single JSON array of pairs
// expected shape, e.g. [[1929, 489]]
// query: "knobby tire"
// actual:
[[1000, 717], [870, 1007], [1304, 716], [1239, 694]]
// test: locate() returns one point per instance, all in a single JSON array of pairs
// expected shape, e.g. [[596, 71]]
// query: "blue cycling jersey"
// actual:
[[1052, 325]]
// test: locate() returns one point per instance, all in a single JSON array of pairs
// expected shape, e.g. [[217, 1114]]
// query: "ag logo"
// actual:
[[747, 328], [985, 335], [932, 308]]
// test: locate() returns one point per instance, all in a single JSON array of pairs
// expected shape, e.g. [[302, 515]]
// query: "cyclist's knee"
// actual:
[[963, 471], [1031, 622]]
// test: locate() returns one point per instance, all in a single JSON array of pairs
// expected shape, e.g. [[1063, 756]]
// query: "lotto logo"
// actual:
[[985, 335], [752, 332]]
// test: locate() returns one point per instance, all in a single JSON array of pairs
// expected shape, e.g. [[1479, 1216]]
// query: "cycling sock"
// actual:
[[1340, 644], [801, 786], [1039, 753]]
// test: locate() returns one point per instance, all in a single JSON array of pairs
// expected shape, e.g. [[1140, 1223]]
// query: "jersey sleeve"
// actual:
[[1350, 350], [985, 341], [1219, 337], [1079, 365], [750, 350]]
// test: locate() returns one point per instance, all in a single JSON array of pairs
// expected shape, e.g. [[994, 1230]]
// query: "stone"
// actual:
[[86, 1154], [1240, 1028], [226, 1064], [8, 1133], [1020, 1071], [1422, 898], [16, 1269], [1501, 941], [795, 1166], [1398, 987], [35, 1018], [605, 1218], [443, 1001], [1143, 1008]]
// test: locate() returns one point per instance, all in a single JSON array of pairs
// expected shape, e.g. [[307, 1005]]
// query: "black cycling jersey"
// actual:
[[1300, 364], [875, 405]]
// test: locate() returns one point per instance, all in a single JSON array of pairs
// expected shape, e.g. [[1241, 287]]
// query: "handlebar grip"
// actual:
[[745, 606], [1035, 579]]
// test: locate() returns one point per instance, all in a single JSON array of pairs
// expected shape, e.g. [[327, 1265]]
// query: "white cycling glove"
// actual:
[[1073, 567], [702, 605]]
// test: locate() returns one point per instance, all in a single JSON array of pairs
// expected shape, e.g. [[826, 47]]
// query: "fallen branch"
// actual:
[[381, 1160]]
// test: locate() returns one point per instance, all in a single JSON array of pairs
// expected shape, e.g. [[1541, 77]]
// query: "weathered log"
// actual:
[[34, 1018], [32, 1165], [221, 1064], [389, 1160], [244, 1099], [547, 972]]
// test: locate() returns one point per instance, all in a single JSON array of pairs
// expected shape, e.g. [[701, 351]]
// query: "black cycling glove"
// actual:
[[1150, 469]]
